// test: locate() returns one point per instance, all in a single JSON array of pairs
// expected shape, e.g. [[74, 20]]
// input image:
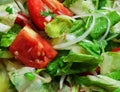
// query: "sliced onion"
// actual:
[[108, 8], [46, 78], [108, 29], [62, 81], [48, 18], [66, 44], [20, 5], [81, 16]]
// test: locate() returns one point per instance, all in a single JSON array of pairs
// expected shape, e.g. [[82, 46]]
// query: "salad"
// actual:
[[60, 46]]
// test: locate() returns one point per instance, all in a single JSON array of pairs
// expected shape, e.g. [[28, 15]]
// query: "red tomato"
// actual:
[[23, 20], [31, 49], [35, 7], [116, 49]]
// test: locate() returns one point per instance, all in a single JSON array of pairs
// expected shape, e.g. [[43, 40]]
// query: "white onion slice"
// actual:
[[107, 31], [62, 81], [66, 44], [20, 5], [81, 16], [48, 18], [108, 8]]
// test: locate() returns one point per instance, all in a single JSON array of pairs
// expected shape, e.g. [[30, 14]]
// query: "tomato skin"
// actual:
[[22, 20], [116, 49], [32, 50], [36, 6], [57, 7]]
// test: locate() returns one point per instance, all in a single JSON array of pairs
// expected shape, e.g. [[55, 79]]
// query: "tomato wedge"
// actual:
[[31, 49], [48, 7]]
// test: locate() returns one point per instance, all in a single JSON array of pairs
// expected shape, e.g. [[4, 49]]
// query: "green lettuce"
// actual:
[[106, 83], [4, 80], [58, 27], [80, 7], [38, 84], [110, 63]]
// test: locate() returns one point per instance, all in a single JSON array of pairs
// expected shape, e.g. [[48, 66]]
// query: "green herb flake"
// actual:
[[48, 13], [9, 10], [30, 76]]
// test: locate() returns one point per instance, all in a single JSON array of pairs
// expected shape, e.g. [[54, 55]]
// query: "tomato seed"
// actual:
[[16, 53]]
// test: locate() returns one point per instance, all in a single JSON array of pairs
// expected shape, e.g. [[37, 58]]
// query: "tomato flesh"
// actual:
[[36, 6], [31, 49]]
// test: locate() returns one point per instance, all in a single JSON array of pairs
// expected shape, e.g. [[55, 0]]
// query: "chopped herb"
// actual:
[[48, 13], [29, 75], [9, 10]]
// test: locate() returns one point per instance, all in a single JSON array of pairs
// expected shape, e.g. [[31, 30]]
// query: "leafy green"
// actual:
[[105, 3], [5, 54], [80, 7], [79, 57], [72, 63], [117, 90], [4, 81], [54, 66], [58, 67], [114, 75], [110, 63], [76, 30], [8, 13], [5, 1], [58, 27], [101, 81], [77, 24], [98, 30], [15, 29], [8, 30], [94, 47], [67, 3], [38, 84], [7, 39]]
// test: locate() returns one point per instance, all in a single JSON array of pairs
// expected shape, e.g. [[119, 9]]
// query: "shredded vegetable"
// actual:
[[60, 45]]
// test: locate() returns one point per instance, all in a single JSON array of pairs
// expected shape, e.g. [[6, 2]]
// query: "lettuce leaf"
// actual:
[[104, 82], [110, 63]]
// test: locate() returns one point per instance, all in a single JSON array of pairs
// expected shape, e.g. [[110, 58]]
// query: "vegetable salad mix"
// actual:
[[60, 46]]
